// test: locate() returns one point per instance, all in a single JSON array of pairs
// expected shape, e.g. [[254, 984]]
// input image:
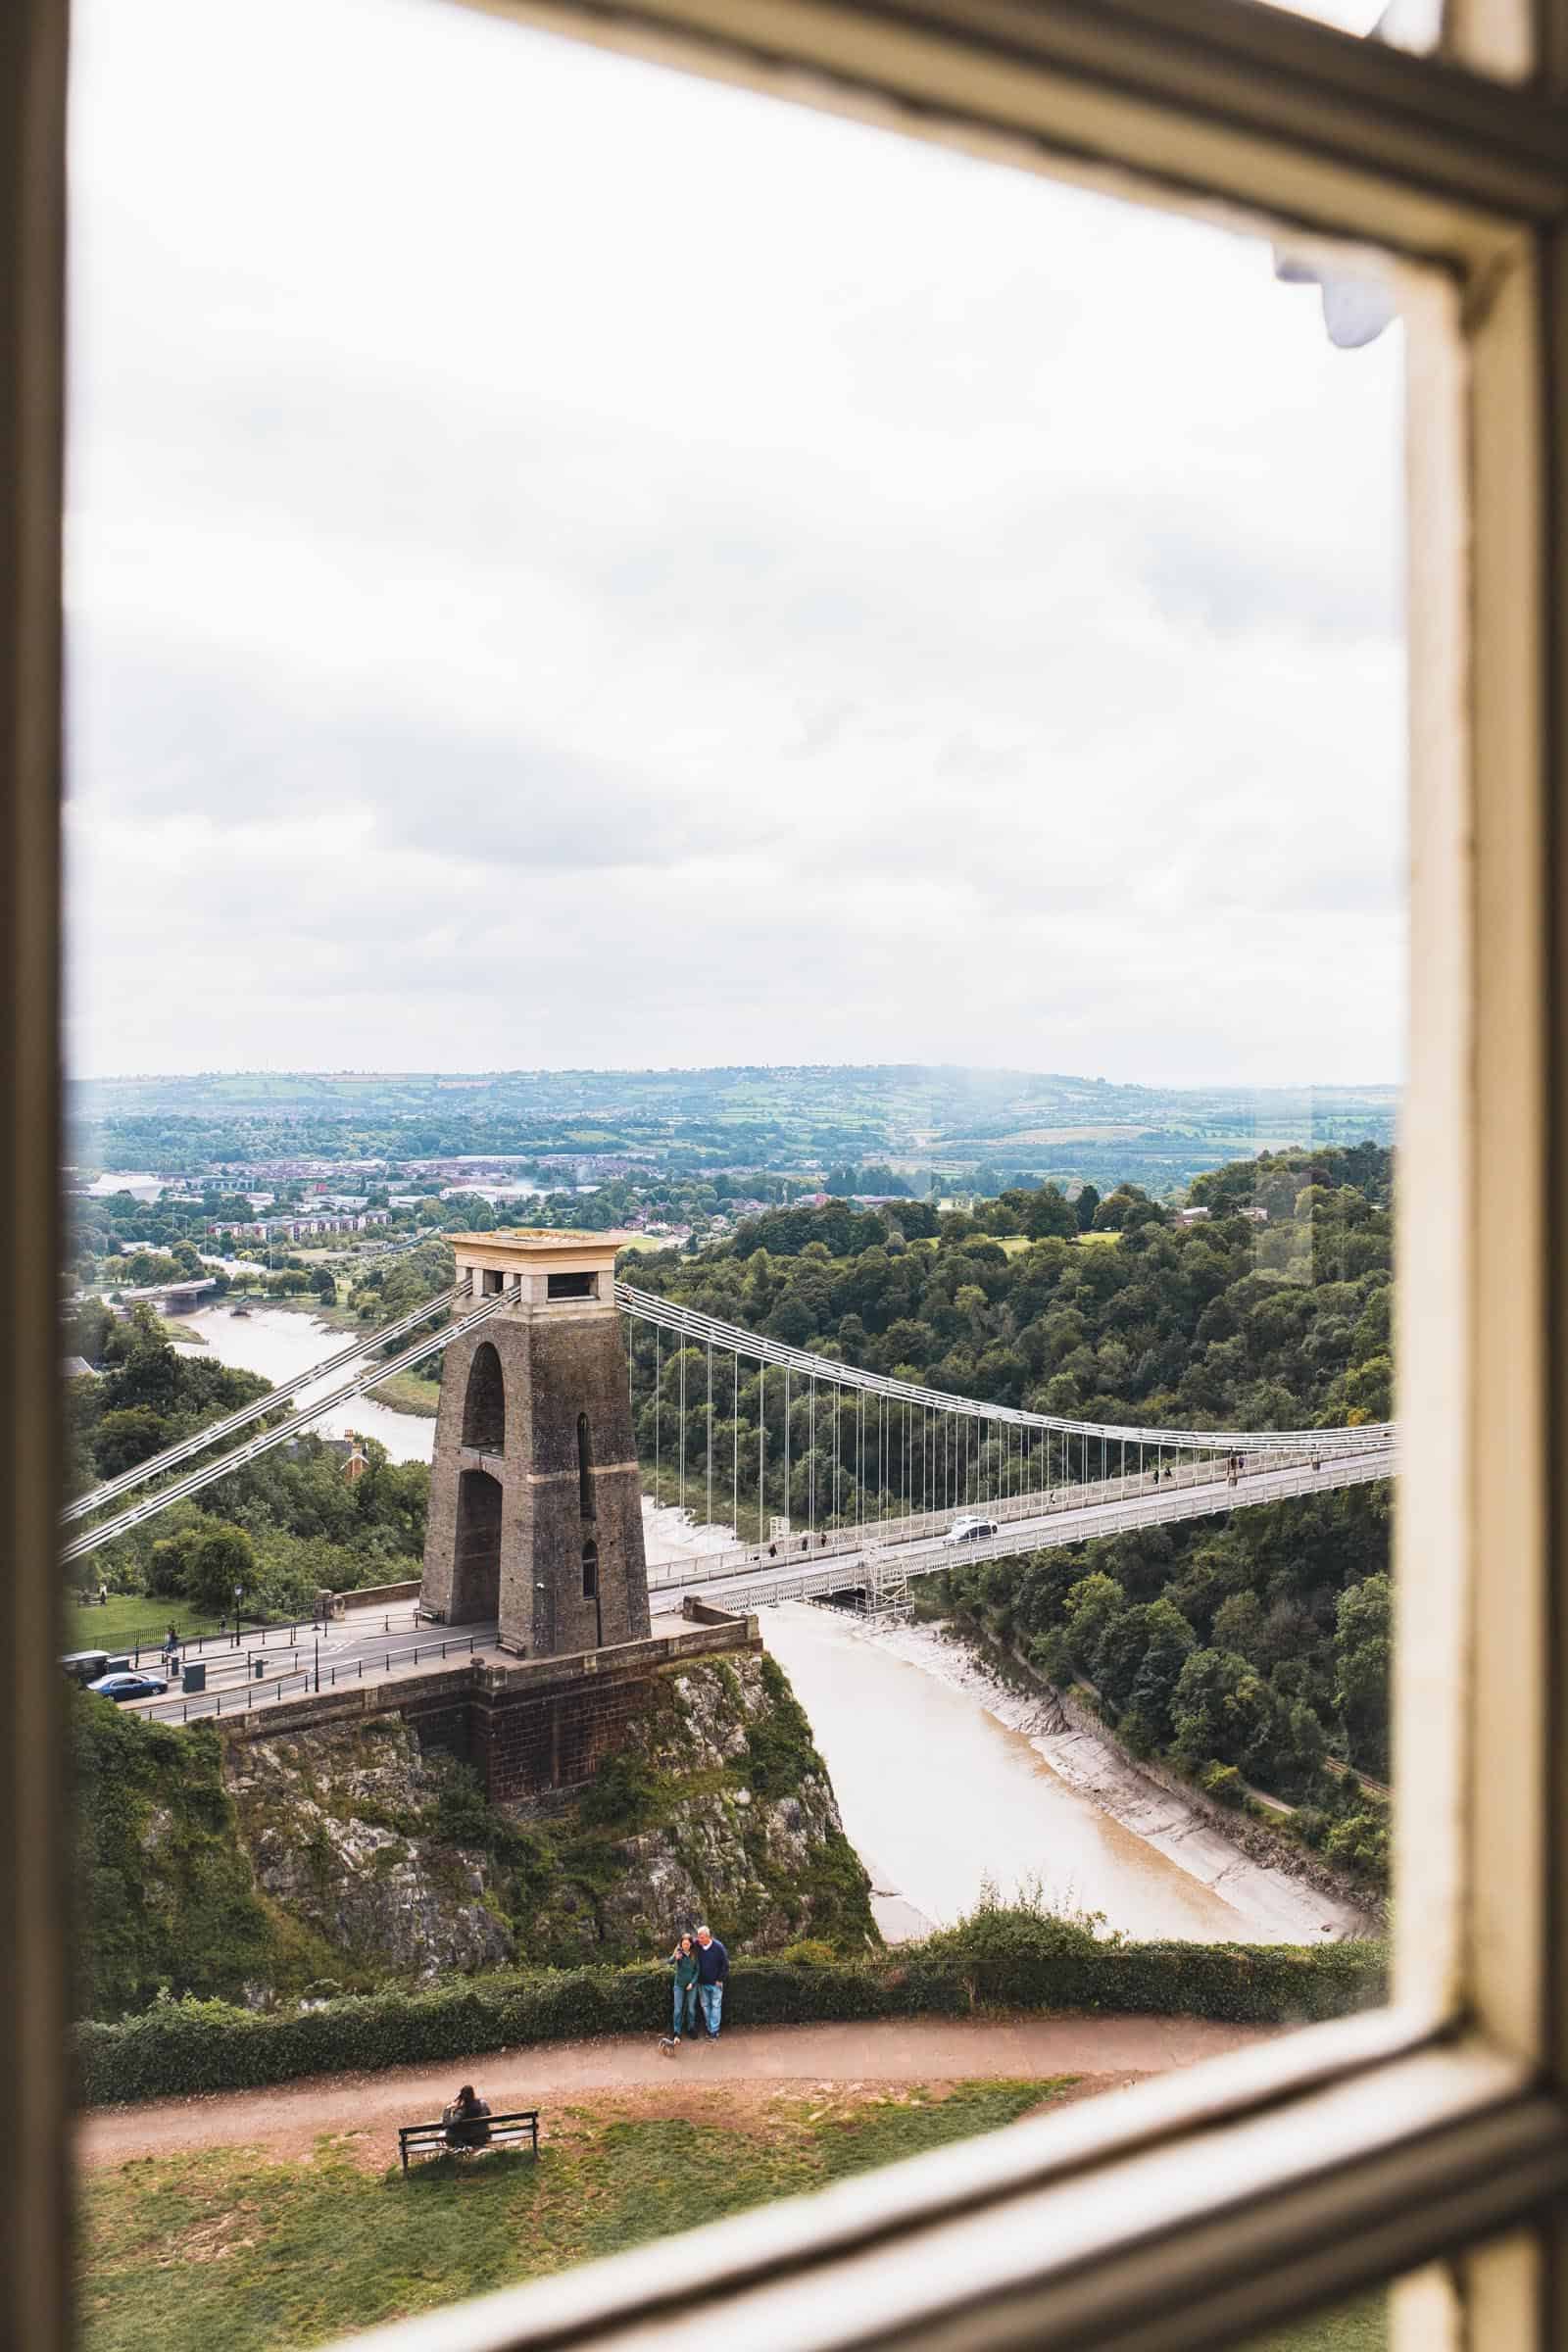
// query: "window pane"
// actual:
[[1415, 25], [671, 688]]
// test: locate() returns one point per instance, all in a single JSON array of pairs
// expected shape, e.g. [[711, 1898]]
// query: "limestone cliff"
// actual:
[[718, 1807], [352, 1857]]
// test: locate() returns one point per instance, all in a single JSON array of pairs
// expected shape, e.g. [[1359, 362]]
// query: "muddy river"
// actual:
[[278, 1343]]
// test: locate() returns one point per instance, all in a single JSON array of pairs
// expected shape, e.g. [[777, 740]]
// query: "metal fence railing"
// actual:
[[321, 1675], [289, 1633], [801, 1547], [926, 1558]]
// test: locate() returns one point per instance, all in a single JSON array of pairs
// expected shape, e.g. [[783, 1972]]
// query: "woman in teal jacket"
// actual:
[[683, 1959]]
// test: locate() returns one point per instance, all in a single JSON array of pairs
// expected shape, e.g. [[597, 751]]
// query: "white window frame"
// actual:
[[1209, 2204]]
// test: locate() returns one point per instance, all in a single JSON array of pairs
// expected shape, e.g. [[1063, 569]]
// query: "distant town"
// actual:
[[250, 1164]]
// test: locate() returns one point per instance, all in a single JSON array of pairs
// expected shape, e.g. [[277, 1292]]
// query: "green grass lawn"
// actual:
[[177, 1328], [408, 1393], [1358, 2327], [129, 1613], [180, 2253], [1015, 1244], [231, 2247]]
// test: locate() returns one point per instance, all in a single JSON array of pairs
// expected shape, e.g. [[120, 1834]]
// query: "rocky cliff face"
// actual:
[[719, 1808], [344, 1831], [390, 1859]]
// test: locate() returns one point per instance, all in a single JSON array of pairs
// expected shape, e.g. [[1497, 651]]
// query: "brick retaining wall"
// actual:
[[527, 1727]]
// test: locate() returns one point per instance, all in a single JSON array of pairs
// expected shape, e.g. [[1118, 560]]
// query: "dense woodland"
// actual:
[[1107, 1310], [1254, 1648], [284, 1528]]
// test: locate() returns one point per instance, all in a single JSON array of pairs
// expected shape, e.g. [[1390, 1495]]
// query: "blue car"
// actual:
[[120, 1686]]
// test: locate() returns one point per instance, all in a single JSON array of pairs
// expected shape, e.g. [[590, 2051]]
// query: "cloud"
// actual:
[[590, 567]]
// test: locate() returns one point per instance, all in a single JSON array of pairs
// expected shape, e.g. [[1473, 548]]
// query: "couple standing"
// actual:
[[702, 1971]]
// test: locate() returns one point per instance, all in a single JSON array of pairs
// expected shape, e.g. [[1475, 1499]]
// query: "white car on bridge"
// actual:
[[969, 1530]]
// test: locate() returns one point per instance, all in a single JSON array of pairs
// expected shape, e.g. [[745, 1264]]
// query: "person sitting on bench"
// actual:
[[467, 2120]]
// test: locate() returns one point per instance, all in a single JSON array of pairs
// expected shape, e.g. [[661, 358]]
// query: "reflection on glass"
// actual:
[[650, 664], [1415, 25]]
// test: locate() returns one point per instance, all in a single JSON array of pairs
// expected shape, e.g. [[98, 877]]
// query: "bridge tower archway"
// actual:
[[484, 1404], [476, 1564]]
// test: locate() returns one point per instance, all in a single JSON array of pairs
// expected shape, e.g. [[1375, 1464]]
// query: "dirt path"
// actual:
[[290, 2119]]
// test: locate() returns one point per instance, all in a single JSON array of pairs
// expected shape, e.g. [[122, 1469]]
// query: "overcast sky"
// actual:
[[571, 565]]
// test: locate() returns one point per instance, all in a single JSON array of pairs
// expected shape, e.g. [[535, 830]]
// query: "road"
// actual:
[[366, 1646], [393, 1644], [798, 1578]]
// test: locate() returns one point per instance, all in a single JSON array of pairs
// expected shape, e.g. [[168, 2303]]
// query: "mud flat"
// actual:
[[1277, 1905], [945, 1800]]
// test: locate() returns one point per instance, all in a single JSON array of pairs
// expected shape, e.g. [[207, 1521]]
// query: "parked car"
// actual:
[[120, 1686], [969, 1530], [85, 1665]]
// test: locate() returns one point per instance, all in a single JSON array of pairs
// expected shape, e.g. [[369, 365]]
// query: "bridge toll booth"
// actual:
[[535, 1496]]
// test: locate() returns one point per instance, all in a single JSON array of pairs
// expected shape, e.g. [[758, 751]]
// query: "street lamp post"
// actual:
[[239, 1595]]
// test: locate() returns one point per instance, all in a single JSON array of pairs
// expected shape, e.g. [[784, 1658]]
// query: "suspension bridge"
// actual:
[[835, 1469]]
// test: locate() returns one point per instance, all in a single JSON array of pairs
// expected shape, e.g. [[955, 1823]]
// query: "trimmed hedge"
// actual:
[[997, 1960]]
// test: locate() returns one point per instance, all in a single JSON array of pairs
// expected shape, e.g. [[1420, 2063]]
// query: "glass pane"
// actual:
[[1414, 24], [670, 692]]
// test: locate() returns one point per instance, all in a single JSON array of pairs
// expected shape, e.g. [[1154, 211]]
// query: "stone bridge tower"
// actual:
[[535, 1496]]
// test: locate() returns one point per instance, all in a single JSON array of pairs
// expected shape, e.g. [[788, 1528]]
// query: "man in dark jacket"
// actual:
[[467, 2120], [713, 1973]]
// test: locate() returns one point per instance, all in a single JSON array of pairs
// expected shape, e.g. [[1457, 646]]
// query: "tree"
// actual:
[[1085, 1206], [1309, 1746], [127, 1437], [1048, 1213], [1238, 1626], [218, 1559], [1119, 1655], [1168, 1642], [1222, 1707], [1091, 1605], [1360, 1842], [1362, 1654]]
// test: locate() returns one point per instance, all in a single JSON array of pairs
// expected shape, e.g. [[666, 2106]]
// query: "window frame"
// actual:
[[1200, 2207]]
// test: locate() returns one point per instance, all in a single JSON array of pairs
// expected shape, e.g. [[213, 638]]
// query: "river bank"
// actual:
[[281, 1342], [951, 1784], [1281, 1899]]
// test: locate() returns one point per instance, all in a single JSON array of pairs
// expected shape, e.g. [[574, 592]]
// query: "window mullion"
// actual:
[[33, 1976], [1205, 101]]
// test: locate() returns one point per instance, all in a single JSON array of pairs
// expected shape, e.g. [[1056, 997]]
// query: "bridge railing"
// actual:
[[929, 1558], [1183, 1471], [322, 1674]]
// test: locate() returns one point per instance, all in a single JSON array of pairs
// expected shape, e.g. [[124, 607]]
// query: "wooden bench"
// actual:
[[500, 2130]]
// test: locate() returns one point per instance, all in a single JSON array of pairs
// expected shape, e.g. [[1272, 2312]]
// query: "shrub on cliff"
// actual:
[[165, 1892]]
